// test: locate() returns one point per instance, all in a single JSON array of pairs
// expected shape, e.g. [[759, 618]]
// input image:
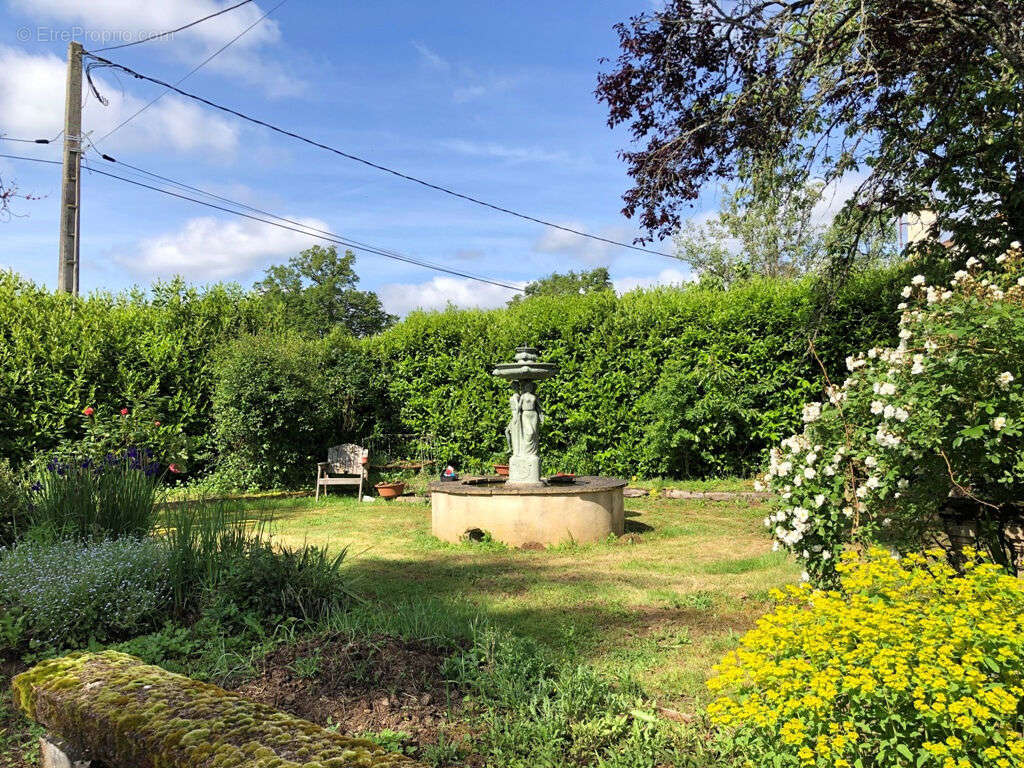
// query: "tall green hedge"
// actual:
[[668, 382], [59, 354]]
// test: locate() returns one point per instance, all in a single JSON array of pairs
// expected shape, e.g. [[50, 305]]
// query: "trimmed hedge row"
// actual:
[[59, 354], [679, 382], [667, 382]]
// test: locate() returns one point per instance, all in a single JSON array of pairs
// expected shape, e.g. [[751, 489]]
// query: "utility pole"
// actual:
[[67, 264]]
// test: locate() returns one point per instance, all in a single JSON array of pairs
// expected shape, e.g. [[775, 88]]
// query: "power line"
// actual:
[[246, 206], [174, 31], [191, 72], [370, 163], [300, 228]]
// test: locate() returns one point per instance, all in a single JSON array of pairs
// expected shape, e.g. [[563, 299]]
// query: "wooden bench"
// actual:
[[346, 465], [111, 707]]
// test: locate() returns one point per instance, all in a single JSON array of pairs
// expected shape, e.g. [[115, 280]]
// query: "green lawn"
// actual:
[[657, 607]]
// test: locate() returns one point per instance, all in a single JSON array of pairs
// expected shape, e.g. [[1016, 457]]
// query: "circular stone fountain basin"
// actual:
[[527, 515]]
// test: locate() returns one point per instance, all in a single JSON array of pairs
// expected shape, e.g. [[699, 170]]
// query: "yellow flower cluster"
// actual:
[[908, 664]]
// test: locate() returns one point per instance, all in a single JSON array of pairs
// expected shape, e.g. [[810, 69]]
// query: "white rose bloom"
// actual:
[[829, 470], [998, 423], [889, 412], [870, 462], [873, 482], [901, 305], [960, 275], [861, 491], [1020, 281], [767, 522], [877, 407], [812, 412], [906, 333], [809, 473], [819, 500], [887, 388], [902, 414], [848, 511], [805, 576], [1004, 379], [812, 457], [1000, 258], [826, 555], [903, 484], [906, 292], [775, 546], [973, 262], [798, 480], [917, 280], [1015, 245], [758, 486]]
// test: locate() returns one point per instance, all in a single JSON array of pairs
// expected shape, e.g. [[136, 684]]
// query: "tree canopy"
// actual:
[[318, 291], [558, 284], [918, 100]]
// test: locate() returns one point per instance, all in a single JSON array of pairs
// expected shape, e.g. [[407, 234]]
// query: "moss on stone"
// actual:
[[133, 715]]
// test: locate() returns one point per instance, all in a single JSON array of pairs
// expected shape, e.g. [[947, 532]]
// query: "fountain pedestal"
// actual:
[[524, 511]]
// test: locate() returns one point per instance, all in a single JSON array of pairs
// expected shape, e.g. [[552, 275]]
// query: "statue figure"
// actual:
[[530, 418], [514, 431]]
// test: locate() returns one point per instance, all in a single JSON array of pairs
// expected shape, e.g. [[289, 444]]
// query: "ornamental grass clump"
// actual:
[[939, 415], [910, 665], [65, 593]]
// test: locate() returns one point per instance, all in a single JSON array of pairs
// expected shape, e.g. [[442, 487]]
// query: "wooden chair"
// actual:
[[344, 466]]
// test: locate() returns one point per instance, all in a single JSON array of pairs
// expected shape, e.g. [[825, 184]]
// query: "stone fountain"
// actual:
[[527, 510]]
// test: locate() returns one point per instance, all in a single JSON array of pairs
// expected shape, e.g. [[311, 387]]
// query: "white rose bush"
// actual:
[[939, 415]]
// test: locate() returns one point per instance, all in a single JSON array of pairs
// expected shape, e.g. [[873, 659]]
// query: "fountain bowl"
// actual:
[[529, 515]]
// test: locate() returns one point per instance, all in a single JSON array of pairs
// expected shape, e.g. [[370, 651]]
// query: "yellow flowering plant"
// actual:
[[940, 414], [910, 665]]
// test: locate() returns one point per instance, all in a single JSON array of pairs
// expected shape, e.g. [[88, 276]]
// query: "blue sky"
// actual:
[[492, 99]]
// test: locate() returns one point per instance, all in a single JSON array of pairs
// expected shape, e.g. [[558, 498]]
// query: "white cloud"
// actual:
[[102, 23], [430, 57], [402, 298], [669, 276], [504, 152], [32, 100], [577, 246], [213, 249], [834, 196]]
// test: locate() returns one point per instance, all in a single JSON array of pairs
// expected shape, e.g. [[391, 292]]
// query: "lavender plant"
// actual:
[[63, 594]]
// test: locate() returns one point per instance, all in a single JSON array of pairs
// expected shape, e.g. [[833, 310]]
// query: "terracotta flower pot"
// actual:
[[501, 469], [390, 490]]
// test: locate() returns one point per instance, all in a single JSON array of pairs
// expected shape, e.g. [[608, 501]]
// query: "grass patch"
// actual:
[[689, 568]]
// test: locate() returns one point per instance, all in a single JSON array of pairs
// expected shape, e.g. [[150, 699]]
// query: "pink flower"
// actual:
[[175, 469], [124, 411], [157, 423], [88, 410]]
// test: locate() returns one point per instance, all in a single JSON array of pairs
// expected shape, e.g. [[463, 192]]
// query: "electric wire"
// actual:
[[300, 228], [191, 72], [385, 169], [174, 31], [246, 206]]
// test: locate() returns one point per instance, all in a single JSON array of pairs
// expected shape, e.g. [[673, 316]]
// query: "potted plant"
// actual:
[[390, 488], [501, 470]]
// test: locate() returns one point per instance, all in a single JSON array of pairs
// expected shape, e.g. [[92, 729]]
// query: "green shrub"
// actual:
[[305, 583], [280, 401], [65, 593], [218, 558], [12, 503], [82, 498]]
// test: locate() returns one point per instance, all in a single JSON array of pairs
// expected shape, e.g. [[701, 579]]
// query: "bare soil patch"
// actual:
[[360, 685]]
